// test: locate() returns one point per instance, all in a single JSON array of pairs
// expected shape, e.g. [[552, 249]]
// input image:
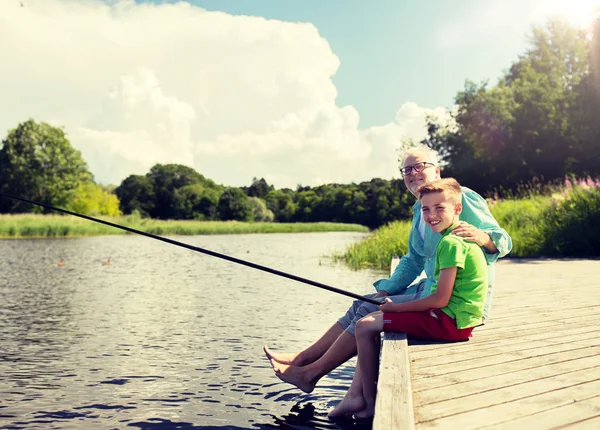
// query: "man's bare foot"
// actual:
[[348, 406], [367, 412], [281, 357], [293, 375]]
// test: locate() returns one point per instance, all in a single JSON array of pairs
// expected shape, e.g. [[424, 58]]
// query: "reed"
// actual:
[[377, 249], [45, 226]]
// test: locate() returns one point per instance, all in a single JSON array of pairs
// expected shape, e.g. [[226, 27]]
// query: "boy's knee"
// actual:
[[361, 327]]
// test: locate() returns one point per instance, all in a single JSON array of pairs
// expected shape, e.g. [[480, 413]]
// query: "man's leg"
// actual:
[[317, 349], [306, 377], [310, 354], [487, 310]]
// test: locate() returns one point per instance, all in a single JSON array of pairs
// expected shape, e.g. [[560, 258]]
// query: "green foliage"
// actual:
[[521, 219], [30, 225], [281, 204], [234, 204], [539, 121], [260, 213], [570, 227], [92, 199], [196, 202], [377, 249], [136, 194], [259, 188], [166, 180], [37, 162]]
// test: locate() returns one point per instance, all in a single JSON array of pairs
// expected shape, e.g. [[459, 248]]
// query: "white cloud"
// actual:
[[235, 97]]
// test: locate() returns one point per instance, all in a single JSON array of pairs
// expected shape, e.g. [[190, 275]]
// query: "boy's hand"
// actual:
[[388, 306]]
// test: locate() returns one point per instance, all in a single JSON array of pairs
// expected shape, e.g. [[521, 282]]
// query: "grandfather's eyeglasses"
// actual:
[[418, 168]]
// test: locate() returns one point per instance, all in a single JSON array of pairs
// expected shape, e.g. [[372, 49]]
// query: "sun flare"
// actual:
[[579, 13]]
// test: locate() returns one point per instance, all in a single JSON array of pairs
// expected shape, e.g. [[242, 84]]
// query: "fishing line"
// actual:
[[202, 250]]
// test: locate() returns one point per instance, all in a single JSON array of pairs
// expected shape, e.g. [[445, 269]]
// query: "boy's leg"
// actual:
[[368, 308], [368, 343], [432, 324], [353, 401]]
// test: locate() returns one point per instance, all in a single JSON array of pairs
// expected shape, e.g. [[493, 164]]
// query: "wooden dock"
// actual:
[[534, 365]]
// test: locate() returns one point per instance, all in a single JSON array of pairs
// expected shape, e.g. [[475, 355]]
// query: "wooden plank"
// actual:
[[503, 415], [512, 372], [482, 346], [570, 413], [394, 404], [502, 359], [501, 351], [484, 340], [589, 424], [484, 399]]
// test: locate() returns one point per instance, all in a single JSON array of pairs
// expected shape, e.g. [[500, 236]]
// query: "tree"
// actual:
[[166, 179], [196, 202], [281, 204], [260, 211], [259, 188], [136, 194], [539, 121], [92, 199], [234, 204], [37, 162]]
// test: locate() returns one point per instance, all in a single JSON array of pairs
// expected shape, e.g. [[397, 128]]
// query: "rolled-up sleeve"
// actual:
[[477, 213], [409, 267]]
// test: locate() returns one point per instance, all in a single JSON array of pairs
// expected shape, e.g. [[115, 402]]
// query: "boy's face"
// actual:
[[439, 212], [416, 179]]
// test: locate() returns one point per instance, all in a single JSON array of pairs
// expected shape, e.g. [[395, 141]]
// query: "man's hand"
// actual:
[[473, 234], [382, 293]]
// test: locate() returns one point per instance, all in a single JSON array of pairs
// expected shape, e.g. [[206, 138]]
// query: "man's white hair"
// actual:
[[424, 151]]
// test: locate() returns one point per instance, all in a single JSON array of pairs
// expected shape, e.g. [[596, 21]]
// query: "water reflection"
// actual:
[[164, 337]]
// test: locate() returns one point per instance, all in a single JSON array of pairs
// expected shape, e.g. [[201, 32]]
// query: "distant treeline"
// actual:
[[173, 191], [538, 124], [37, 162]]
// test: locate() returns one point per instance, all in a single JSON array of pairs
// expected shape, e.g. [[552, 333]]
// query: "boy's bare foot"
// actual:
[[367, 412], [281, 357], [348, 406], [293, 375]]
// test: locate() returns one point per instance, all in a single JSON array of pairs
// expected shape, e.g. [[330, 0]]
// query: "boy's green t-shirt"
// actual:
[[470, 287]]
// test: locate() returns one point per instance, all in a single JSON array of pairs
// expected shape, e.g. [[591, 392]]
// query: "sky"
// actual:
[[296, 92]]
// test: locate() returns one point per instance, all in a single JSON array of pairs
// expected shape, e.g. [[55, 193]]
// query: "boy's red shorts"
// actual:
[[432, 324]]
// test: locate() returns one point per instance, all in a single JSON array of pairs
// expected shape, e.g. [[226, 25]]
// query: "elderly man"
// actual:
[[337, 345]]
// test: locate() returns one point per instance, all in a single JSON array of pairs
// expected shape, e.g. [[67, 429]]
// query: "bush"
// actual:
[[570, 225]]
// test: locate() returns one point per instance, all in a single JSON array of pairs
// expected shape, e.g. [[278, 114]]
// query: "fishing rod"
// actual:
[[202, 250]]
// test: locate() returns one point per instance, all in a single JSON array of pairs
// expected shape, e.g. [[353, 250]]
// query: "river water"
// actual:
[[164, 337]]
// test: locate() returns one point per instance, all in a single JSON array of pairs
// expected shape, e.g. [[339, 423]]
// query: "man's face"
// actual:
[[416, 179]]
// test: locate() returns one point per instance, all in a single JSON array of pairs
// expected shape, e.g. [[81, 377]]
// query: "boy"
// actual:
[[449, 314]]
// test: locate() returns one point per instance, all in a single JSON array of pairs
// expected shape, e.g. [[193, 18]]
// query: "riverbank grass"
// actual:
[[45, 226]]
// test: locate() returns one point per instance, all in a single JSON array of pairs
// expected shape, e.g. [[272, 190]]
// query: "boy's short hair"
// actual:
[[449, 186]]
